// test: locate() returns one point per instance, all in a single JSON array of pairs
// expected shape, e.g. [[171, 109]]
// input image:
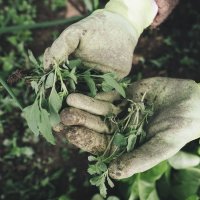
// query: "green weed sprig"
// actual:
[[129, 131], [53, 87], [10, 92]]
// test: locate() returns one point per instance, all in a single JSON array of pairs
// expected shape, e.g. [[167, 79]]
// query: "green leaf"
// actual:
[[95, 4], [55, 104], [72, 75], [103, 189], [72, 84], [49, 81], [131, 142], [113, 198], [92, 169], [34, 85], [193, 197], [155, 173], [54, 116], [74, 63], [147, 181], [92, 158], [102, 166], [32, 116], [97, 181], [88, 4], [147, 190], [27, 151], [106, 87], [90, 83], [119, 140], [113, 83], [55, 100], [186, 184], [45, 127], [133, 193], [33, 59], [184, 160], [45, 182], [110, 183]]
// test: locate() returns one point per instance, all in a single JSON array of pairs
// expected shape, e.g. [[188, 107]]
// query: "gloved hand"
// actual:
[[106, 39], [175, 122], [165, 7]]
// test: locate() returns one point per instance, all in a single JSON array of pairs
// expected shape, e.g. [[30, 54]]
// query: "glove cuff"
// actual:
[[139, 13]]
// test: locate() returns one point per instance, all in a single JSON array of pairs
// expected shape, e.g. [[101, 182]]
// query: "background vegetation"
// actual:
[[32, 169]]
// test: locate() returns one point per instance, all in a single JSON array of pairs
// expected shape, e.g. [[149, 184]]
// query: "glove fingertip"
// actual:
[[47, 60]]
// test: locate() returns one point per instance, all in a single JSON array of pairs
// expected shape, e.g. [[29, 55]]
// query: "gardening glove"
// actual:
[[175, 122], [106, 39], [165, 7]]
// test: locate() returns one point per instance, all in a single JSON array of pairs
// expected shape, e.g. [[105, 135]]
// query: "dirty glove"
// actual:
[[165, 7], [106, 39], [175, 122]]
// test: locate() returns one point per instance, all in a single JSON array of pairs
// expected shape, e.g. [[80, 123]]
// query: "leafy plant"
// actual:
[[52, 87], [129, 131]]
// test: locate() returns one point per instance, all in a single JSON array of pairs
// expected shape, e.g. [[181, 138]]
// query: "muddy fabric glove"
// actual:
[[106, 39], [175, 122], [165, 7]]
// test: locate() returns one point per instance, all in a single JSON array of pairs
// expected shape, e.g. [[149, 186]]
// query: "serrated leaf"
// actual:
[[49, 81], [113, 83], [32, 58], [103, 189], [45, 127], [97, 181], [90, 83], [119, 140], [32, 116], [102, 167], [92, 169]]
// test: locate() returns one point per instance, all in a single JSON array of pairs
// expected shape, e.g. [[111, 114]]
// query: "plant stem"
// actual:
[[41, 25], [10, 92]]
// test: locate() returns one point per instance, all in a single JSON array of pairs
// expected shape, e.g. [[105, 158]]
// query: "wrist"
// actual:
[[139, 13]]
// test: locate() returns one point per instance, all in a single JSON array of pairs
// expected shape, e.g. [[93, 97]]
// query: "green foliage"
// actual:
[[16, 151], [129, 130], [186, 183], [14, 13], [91, 4], [143, 185], [52, 87]]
